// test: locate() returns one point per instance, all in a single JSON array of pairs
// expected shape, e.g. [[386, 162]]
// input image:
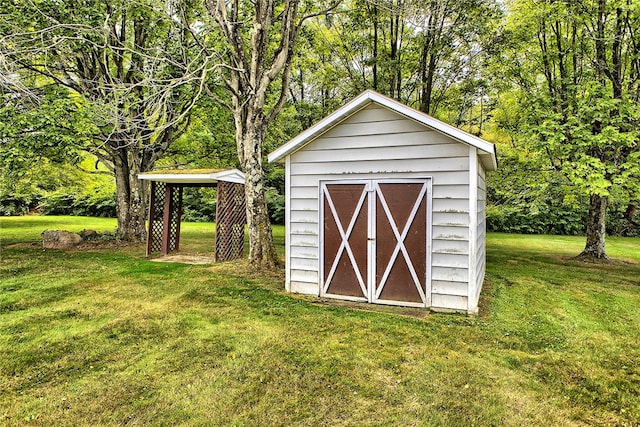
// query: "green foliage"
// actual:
[[548, 220], [199, 204], [591, 146], [425, 54], [574, 67], [275, 176], [533, 83], [58, 189], [623, 220], [288, 124], [98, 204], [18, 204], [116, 80], [275, 205], [209, 141], [274, 181], [523, 197], [37, 138]]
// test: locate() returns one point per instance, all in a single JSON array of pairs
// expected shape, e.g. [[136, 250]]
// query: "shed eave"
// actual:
[[489, 160], [231, 175]]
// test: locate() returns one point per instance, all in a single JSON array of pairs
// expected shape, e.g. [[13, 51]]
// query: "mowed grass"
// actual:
[[106, 337]]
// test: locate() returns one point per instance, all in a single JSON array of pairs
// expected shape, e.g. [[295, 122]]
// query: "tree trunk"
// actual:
[[130, 197], [595, 246], [257, 56], [375, 47], [427, 74], [262, 253]]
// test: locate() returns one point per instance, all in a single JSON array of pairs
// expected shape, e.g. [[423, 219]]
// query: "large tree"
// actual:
[[117, 78], [578, 66], [259, 46]]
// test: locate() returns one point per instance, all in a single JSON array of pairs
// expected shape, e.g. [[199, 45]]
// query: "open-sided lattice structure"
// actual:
[[165, 210]]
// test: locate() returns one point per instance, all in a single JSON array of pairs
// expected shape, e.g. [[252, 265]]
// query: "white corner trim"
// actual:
[[287, 223], [473, 226]]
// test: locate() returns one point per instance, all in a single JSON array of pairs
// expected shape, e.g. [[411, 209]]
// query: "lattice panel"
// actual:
[[230, 221], [174, 216], [156, 217]]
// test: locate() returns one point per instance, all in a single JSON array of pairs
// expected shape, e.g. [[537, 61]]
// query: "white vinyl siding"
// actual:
[[481, 233], [377, 143]]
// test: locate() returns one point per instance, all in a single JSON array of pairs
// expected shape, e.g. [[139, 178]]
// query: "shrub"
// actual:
[[560, 219], [543, 219], [275, 206], [97, 204], [623, 220], [199, 204], [18, 204]]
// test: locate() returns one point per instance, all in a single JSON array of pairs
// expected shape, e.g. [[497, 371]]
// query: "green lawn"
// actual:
[[107, 337]]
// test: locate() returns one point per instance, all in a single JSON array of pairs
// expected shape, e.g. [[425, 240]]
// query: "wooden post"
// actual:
[[176, 216], [156, 224], [166, 220], [150, 217]]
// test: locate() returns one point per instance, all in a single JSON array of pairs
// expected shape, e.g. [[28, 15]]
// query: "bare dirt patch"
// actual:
[[187, 259]]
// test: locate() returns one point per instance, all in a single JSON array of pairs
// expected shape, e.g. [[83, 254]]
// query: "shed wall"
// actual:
[[481, 235], [376, 143]]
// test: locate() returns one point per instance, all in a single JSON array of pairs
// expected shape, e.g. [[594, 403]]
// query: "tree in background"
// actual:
[[578, 66], [429, 54], [259, 40], [453, 39], [115, 79]]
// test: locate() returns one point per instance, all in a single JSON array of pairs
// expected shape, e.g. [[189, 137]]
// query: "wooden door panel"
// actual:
[[332, 239], [416, 241], [399, 285], [401, 237], [345, 280], [345, 219], [400, 198]]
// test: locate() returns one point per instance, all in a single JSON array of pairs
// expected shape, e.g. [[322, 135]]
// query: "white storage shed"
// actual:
[[385, 204]]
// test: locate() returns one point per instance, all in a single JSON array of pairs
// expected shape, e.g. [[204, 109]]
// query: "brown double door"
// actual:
[[375, 241]]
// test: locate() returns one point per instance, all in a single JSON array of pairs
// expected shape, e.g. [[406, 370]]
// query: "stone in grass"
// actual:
[[58, 239], [89, 234]]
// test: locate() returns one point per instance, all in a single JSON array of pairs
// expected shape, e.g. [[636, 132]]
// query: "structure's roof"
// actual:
[[487, 150], [194, 176]]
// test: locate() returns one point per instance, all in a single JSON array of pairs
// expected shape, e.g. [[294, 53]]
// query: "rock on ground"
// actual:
[[57, 239]]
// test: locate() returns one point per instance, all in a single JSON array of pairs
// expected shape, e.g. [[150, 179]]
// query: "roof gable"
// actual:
[[487, 149]]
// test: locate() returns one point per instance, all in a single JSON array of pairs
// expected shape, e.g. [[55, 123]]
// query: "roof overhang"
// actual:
[[487, 150], [194, 176]]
